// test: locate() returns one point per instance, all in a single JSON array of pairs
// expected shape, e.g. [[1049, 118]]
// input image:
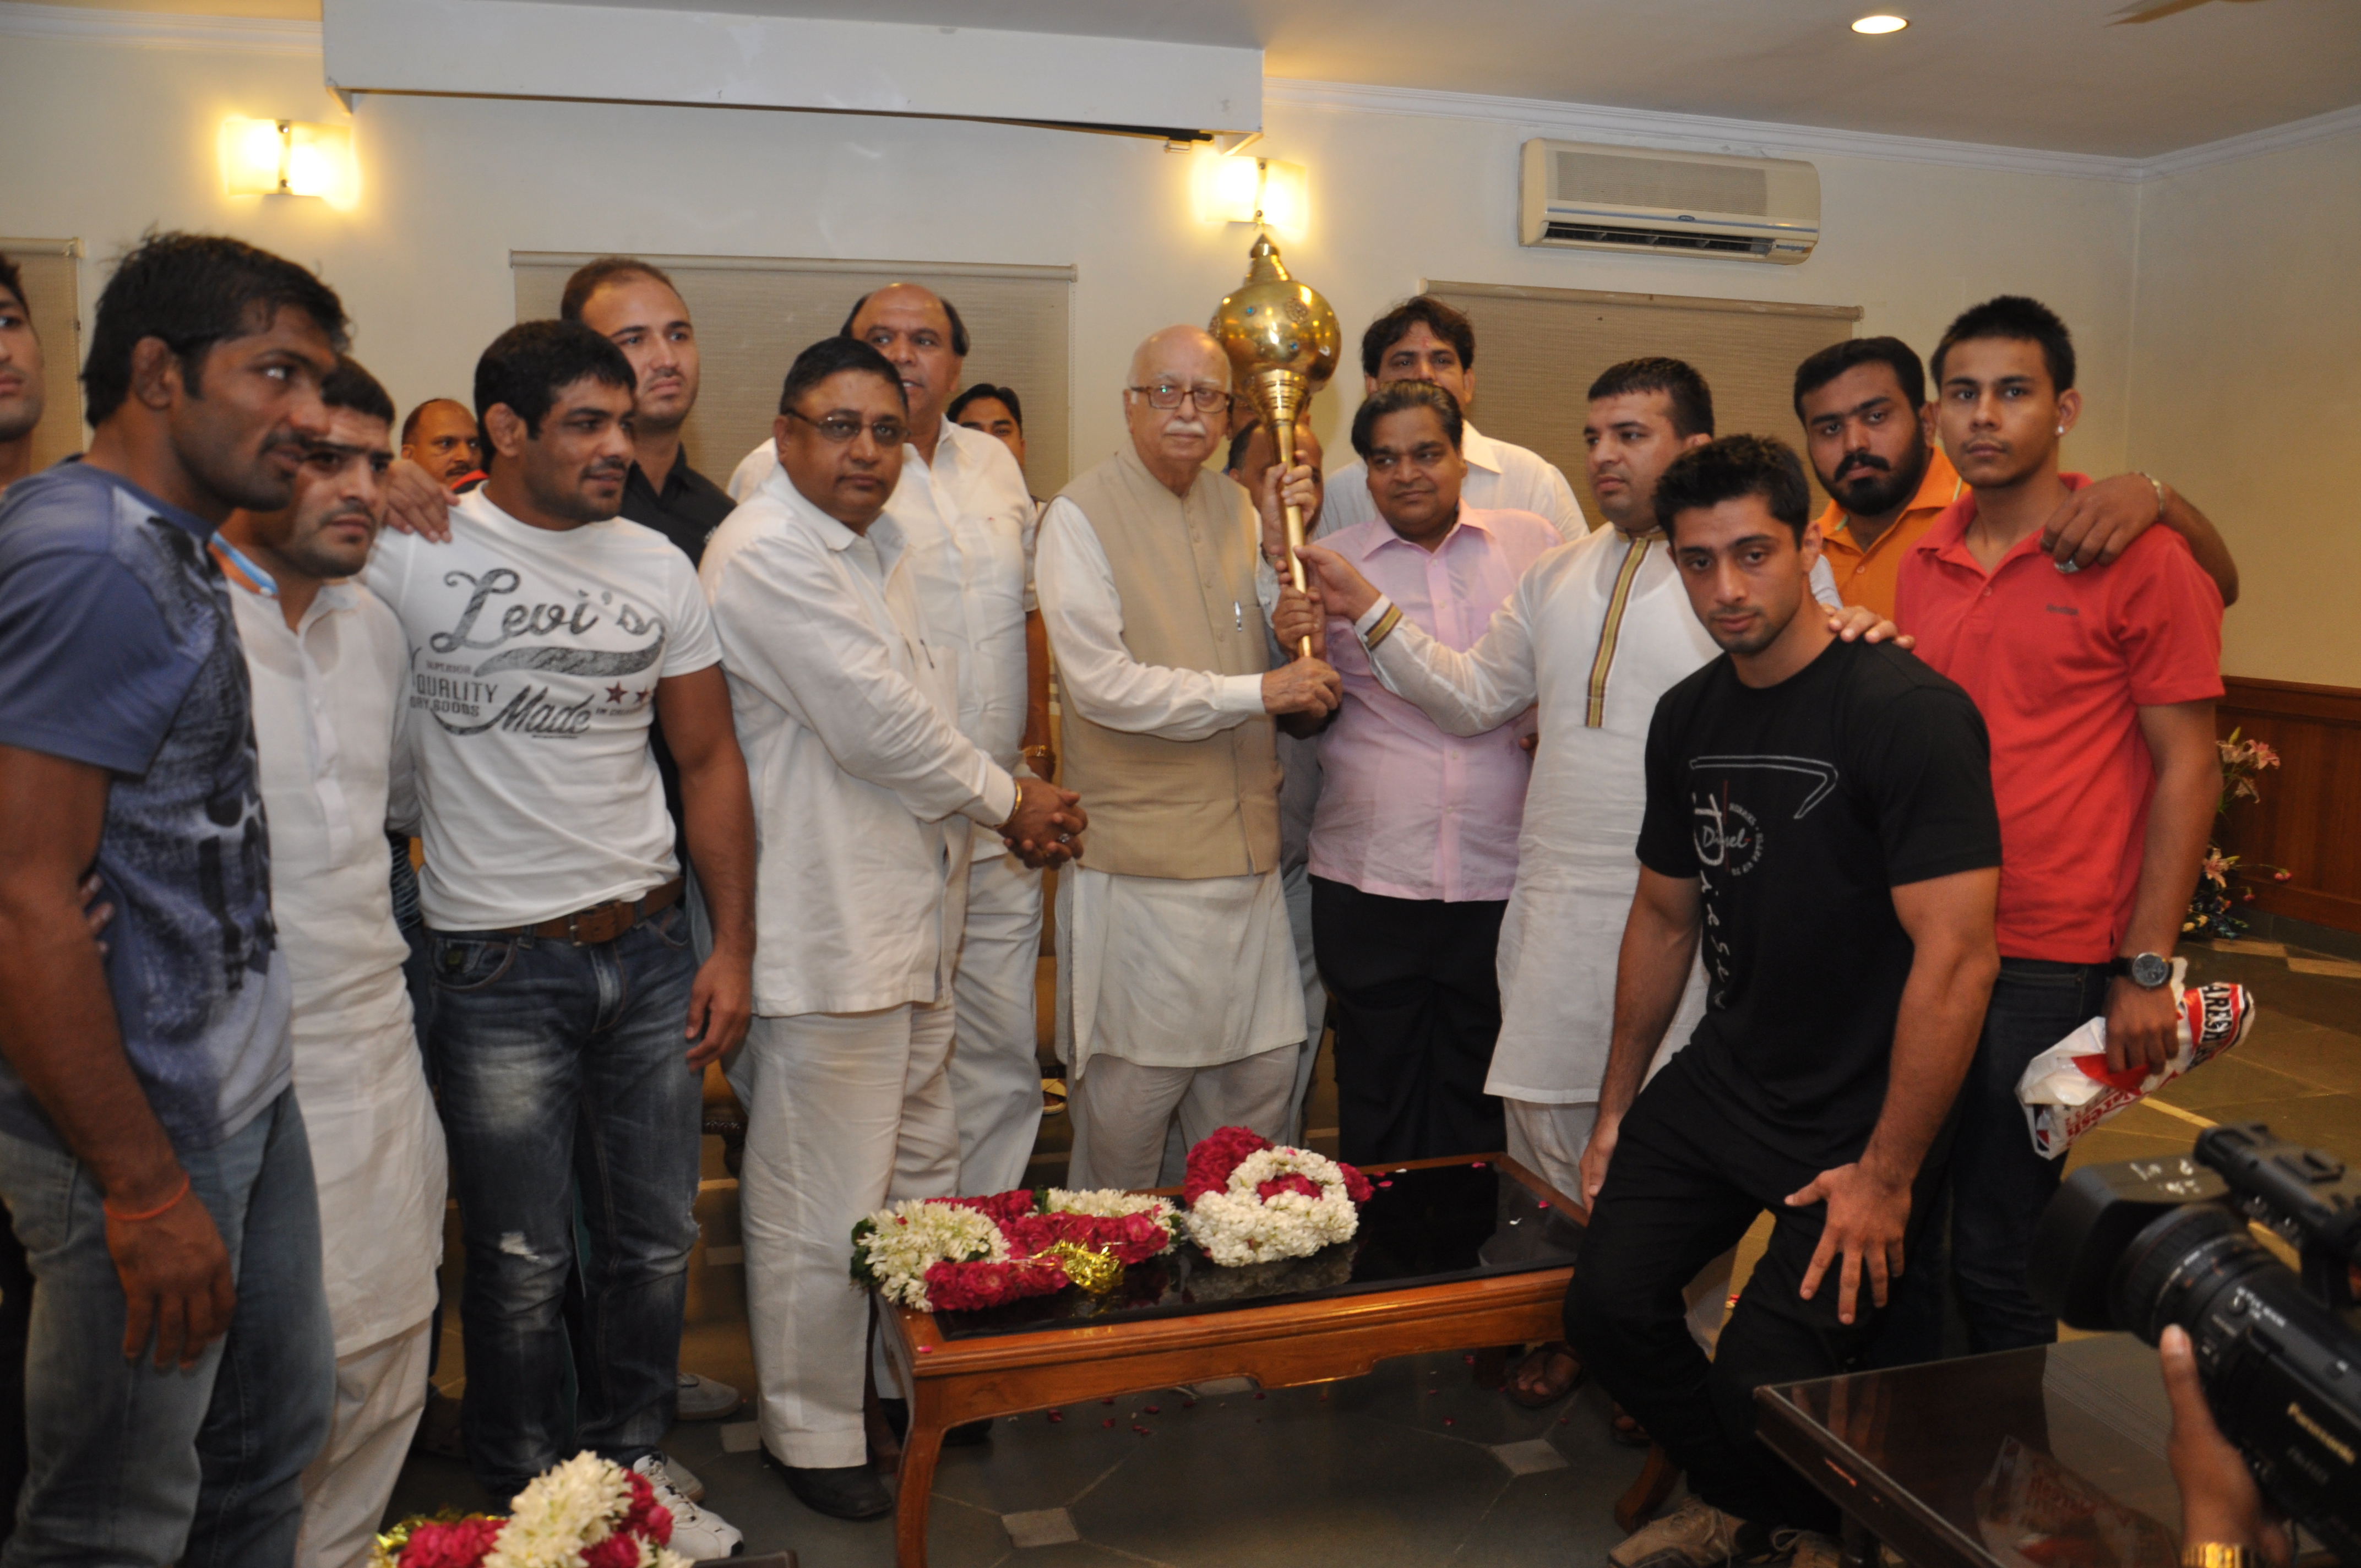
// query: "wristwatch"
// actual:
[[2216, 1554], [2144, 969]]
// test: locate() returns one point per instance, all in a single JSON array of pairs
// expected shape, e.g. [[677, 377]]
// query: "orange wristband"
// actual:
[[113, 1213]]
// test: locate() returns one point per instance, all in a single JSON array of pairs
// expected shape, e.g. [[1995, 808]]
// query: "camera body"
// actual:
[[2142, 1243]]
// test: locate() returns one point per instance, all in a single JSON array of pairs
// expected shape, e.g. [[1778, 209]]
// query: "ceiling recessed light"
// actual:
[[1880, 24]]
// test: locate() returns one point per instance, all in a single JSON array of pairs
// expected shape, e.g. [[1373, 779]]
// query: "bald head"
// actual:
[[1178, 364], [922, 337], [440, 436]]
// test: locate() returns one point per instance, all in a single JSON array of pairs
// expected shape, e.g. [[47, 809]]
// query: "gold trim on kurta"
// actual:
[[1595, 716]]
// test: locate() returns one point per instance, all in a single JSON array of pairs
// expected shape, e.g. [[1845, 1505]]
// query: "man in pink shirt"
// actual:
[[1414, 840]]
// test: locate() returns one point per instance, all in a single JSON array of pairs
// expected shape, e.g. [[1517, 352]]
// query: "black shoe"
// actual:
[[844, 1492], [968, 1434]]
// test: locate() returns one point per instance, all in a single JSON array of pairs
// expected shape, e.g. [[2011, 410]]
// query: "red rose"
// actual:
[[617, 1551], [1292, 1181], [1356, 1186], [461, 1544], [646, 1515], [1213, 1161]]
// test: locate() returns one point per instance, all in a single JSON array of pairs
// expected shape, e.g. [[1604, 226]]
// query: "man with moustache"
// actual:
[[1423, 339], [1178, 989], [152, 1151], [847, 704], [22, 396], [440, 438], [572, 1020], [1595, 634], [326, 662], [1870, 434], [2098, 687]]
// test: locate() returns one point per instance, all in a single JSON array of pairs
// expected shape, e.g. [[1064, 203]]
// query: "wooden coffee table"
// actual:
[[1282, 1341]]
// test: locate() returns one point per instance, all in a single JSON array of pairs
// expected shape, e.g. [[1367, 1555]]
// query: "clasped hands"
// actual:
[[1046, 828]]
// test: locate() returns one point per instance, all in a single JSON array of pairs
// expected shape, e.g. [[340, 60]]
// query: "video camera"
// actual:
[[2145, 1243]]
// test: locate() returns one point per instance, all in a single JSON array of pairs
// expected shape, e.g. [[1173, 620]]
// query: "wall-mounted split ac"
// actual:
[[1592, 197]]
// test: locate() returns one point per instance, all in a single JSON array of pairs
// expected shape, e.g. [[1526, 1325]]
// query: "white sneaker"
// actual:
[[704, 1398], [1694, 1535], [685, 1479], [696, 1533]]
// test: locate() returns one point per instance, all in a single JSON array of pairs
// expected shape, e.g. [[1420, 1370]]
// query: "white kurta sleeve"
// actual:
[[790, 629], [1824, 585], [1469, 693], [1557, 503], [1097, 672]]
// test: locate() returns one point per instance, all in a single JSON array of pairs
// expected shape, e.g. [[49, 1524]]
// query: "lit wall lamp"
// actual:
[[1253, 190], [287, 158]]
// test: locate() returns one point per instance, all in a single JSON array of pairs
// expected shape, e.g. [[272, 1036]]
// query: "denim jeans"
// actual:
[[562, 1067], [130, 1465], [1999, 1186]]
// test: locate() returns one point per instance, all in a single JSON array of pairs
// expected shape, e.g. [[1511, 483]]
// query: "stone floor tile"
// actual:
[[1043, 1527], [1530, 1457]]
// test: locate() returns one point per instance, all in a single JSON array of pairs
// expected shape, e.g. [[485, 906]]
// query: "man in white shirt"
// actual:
[[848, 707], [1595, 632], [572, 1021], [1178, 986], [1423, 339], [326, 660], [962, 507]]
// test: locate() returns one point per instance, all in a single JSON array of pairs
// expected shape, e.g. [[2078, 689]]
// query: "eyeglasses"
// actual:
[[1166, 395], [839, 430]]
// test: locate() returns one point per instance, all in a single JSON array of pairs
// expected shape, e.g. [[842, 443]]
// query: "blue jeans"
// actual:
[[130, 1465], [563, 1067], [1999, 1186]]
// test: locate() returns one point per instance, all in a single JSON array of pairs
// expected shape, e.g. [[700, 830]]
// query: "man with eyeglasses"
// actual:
[[847, 699], [1178, 988]]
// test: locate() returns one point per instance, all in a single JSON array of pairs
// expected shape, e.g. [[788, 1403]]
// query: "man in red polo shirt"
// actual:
[[2098, 687]]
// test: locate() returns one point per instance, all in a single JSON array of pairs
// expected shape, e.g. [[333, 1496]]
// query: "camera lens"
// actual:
[[2180, 1268]]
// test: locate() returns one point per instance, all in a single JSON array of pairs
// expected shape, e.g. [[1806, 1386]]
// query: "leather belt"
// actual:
[[603, 922]]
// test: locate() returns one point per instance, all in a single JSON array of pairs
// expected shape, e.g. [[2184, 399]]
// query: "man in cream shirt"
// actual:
[[866, 791], [326, 661], [1423, 339]]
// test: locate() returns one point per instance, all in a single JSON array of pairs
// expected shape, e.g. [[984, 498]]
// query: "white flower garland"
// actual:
[[1238, 1226], [1111, 1203], [913, 1236], [565, 1508]]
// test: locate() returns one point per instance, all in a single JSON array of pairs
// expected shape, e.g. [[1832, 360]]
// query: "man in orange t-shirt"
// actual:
[[1870, 434]]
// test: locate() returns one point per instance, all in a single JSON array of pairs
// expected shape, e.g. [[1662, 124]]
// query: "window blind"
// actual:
[[52, 271], [753, 314]]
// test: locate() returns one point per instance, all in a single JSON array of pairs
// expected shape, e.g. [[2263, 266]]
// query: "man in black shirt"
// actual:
[[1819, 816]]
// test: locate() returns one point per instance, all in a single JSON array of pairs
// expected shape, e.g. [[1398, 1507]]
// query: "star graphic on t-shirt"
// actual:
[[615, 694], [642, 695]]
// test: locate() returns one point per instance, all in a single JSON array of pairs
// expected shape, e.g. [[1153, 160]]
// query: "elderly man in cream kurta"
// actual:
[[1178, 989]]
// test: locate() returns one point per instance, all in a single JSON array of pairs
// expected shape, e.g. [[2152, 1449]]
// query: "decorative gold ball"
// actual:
[[1273, 322]]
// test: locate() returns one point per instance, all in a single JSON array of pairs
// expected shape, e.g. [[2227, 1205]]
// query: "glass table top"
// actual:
[[1440, 1224], [2046, 1458]]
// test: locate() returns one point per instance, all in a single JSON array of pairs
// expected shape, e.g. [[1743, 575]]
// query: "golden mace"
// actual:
[[1284, 342]]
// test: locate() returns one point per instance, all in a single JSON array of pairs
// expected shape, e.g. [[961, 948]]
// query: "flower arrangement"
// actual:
[[586, 1513], [1248, 1201], [2213, 906], [964, 1254]]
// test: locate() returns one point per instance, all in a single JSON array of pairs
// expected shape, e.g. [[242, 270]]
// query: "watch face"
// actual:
[[2150, 971]]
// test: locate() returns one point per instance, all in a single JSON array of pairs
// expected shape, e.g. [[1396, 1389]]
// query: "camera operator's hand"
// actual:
[[2143, 1025], [2219, 1500], [1868, 1216]]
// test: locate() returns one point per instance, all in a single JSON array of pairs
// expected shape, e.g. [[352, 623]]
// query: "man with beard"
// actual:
[[1870, 434], [440, 436], [572, 1021], [326, 661], [22, 397], [152, 1153]]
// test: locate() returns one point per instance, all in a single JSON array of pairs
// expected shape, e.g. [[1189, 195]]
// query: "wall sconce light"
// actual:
[[286, 158], [1253, 190]]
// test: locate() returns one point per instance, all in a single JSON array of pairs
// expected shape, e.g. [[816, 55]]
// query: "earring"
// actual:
[[2061, 430]]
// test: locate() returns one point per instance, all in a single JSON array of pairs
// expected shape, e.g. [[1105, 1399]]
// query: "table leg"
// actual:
[[1646, 1494], [920, 1448], [1860, 1545]]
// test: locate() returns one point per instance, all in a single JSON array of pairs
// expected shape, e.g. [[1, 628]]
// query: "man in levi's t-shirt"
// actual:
[[572, 1020], [2098, 688]]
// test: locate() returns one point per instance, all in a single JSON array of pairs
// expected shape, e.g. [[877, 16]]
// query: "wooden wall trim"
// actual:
[[2309, 819]]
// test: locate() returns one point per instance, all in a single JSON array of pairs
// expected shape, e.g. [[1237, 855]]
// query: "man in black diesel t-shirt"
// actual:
[[1819, 818]]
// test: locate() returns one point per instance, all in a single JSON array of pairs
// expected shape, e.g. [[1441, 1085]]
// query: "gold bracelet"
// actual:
[[2218, 1554], [1384, 628]]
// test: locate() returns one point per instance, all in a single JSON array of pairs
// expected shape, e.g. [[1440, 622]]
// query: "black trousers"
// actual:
[[1688, 1177], [1417, 1011]]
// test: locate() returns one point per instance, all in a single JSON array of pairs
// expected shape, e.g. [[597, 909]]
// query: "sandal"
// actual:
[[1552, 1388]]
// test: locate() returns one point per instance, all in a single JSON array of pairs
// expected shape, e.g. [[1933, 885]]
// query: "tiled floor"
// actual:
[[1411, 1465]]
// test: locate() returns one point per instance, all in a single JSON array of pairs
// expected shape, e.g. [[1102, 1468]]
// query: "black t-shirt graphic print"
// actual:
[[1798, 808]]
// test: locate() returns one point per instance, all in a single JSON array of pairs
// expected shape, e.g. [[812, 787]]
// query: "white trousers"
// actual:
[[1548, 1140], [1120, 1111], [845, 1112], [380, 1393], [996, 1068]]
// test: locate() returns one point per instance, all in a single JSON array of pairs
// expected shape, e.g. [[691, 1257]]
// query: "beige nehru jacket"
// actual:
[[1184, 568]]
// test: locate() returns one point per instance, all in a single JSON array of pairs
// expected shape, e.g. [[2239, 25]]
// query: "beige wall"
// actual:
[[2246, 389]]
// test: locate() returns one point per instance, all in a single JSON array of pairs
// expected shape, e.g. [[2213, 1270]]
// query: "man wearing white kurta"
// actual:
[[328, 660], [846, 705], [1423, 339], [969, 524], [1178, 986]]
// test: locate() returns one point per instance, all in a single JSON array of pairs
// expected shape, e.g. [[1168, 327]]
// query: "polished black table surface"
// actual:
[[2046, 1458]]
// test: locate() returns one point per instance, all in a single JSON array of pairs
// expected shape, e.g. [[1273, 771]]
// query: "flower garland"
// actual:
[[962, 1254], [587, 1512], [1251, 1202]]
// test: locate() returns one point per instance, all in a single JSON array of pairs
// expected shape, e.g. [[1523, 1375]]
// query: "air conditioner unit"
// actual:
[[1592, 197]]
